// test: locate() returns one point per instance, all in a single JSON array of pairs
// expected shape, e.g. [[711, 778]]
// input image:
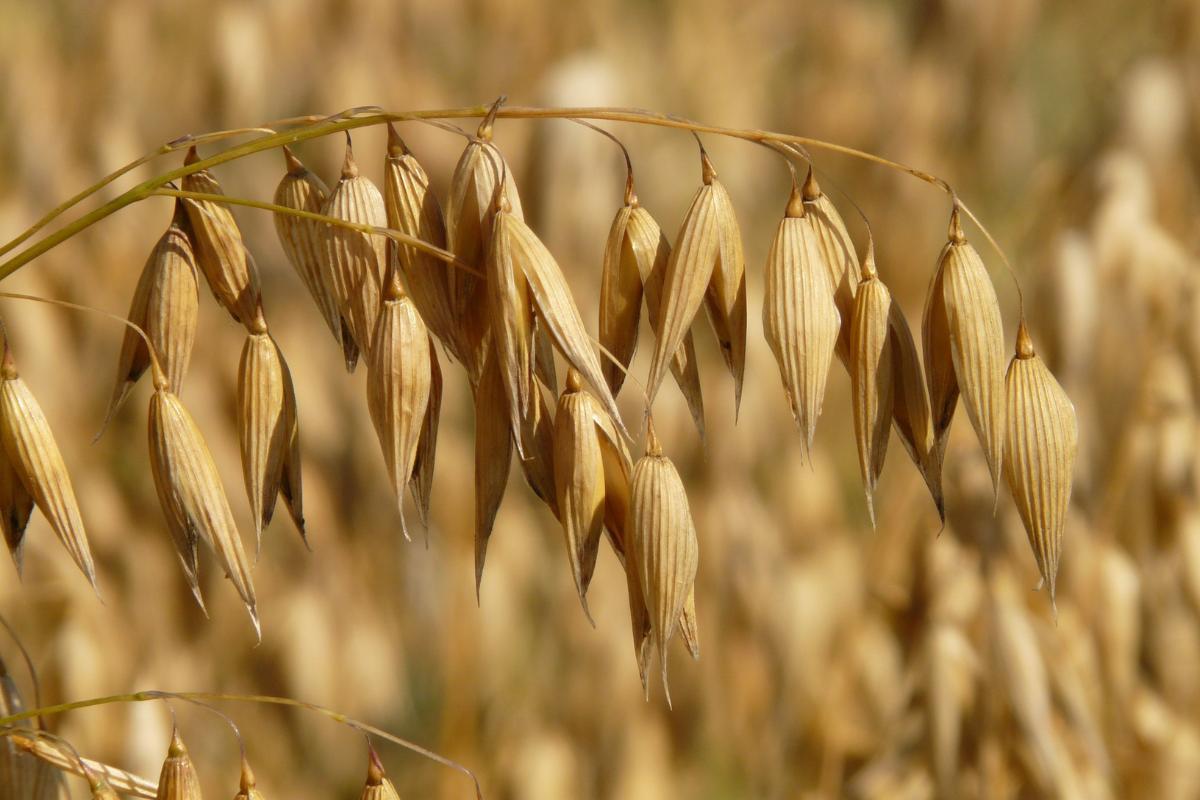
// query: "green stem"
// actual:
[[213, 697]]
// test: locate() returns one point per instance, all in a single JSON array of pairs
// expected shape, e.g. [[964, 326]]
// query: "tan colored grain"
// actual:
[[178, 779], [871, 377], [837, 255], [621, 291], [911, 415], [422, 479], [493, 457]]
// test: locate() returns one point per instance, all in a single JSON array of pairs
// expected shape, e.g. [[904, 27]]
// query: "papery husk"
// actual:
[[493, 457], [398, 384], [413, 209], [378, 786], [421, 484], [837, 255], [800, 319], [621, 293], [193, 499], [220, 251], [536, 436], [166, 306], [33, 454], [663, 540], [16, 506], [580, 482], [468, 231], [304, 242], [178, 779], [510, 312], [871, 377], [654, 253], [911, 416], [725, 299], [355, 262], [1042, 444]]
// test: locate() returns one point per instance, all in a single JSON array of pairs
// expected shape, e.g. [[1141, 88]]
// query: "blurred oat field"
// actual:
[[837, 661]]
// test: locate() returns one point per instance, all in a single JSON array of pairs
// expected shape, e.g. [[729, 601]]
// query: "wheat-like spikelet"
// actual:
[[837, 254], [621, 289], [422, 477]]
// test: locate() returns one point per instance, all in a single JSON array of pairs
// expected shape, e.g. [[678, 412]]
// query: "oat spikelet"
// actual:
[[468, 231], [178, 779], [192, 497], [536, 436], [800, 319], [413, 209], [493, 457], [304, 243], [34, 456], [579, 478], [354, 261], [837, 255], [939, 362], [378, 786], [398, 383], [911, 415], [689, 627], [654, 253], [422, 479], [290, 484], [625, 260], [220, 251], [16, 506], [1041, 447], [511, 318], [663, 539], [554, 305], [871, 380], [267, 427], [165, 305], [726, 295]]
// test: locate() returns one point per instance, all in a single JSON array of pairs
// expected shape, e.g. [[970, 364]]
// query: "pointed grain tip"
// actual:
[[955, 233], [247, 781], [653, 447], [812, 189], [1024, 342], [396, 147], [795, 203], [375, 771], [349, 165], [707, 171], [192, 156], [294, 165], [177, 748]]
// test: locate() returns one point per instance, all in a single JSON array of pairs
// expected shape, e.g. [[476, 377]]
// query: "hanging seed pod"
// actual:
[[398, 384], [422, 479], [654, 255], [22, 774], [939, 363], [911, 416], [975, 341], [837, 254], [290, 485], [536, 437], [220, 252], [165, 306], [413, 209], [800, 319], [35, 458], [511, 319], [1042, 445], [247, 785], [192, 498], [16, 506], [554, 305], [178, 779], [468, 230], [726, 295], [378, 786], [871, 379], [664, 539], [304, 243], [493, 457], [579, 479], [354, 261], [267, 427], [621, 290], [689, 627]]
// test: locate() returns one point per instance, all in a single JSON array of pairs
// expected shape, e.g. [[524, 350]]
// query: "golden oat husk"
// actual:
[[267, 428], [247, 784], [939, 362], [663, 539], [837, 254], [220, 251], [290, 484], [543, 358], [192, 497], [355, 262], [654, 254], [800, 319], [166, 306], [178, 779], [468, 230], [398, 384], [536, 436], [35, 458], [493, 457], [413, 209], [555, 307], [689, 627], [621, 291], [639, 619], [910, 412], [304, 242], [421, 484], [22, 774], [16, 506], [378, 786], [872, 383], [1041, 447], [510, 313], [725, 299], [579, 480]]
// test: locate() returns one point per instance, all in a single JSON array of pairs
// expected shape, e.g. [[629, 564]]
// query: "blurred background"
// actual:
[[837, 661]]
